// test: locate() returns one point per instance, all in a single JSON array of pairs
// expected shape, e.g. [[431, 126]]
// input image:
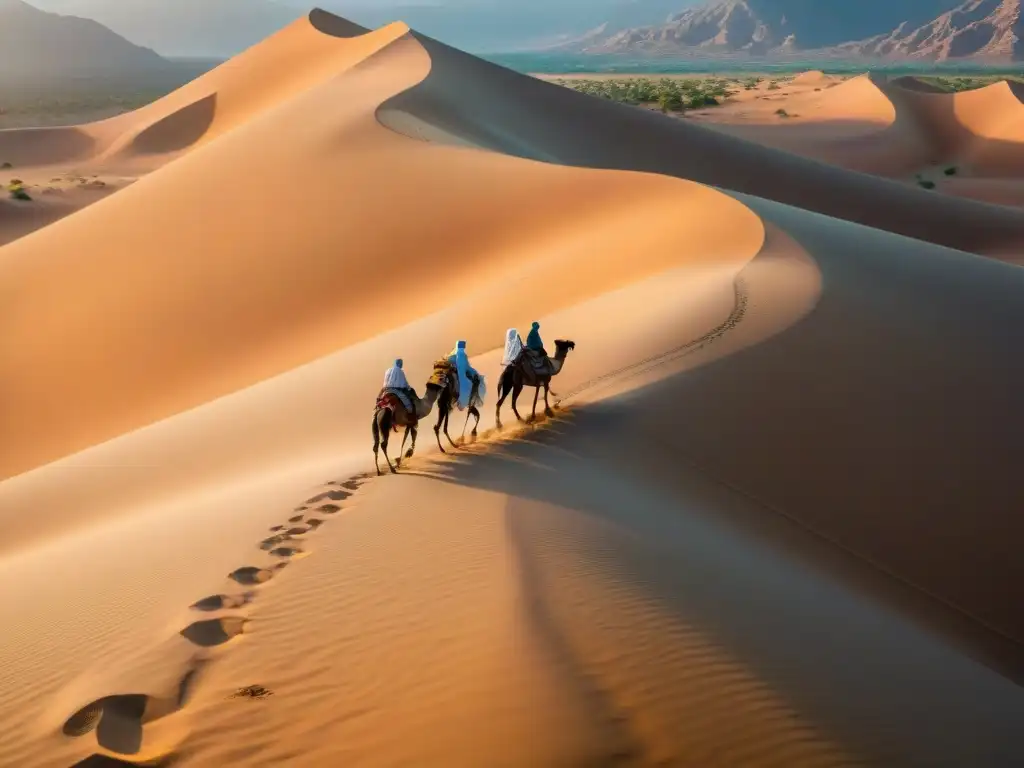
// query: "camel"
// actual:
[[446, 375], [390, 413], [523, 374]]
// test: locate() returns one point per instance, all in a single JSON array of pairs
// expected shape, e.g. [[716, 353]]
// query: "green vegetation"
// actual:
[[668, 94], [926, 183], [951, 171], [17, 190], [65, 101]]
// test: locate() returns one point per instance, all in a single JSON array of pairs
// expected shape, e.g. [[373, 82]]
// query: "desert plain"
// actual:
[[774, 519]]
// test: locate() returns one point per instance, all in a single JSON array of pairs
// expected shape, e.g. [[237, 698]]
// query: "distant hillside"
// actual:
[[194, 28], [766, 27], [37, 44], [982, 30]]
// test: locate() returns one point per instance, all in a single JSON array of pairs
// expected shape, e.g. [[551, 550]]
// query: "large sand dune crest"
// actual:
[[773, 521]]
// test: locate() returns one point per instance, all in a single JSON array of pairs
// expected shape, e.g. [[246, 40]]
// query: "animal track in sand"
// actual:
[[250, 574], [221, 602], [329, 496], [214, 632], [119, 720]]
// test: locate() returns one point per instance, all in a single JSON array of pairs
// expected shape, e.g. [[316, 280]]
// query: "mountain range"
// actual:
[[39, 44], [984, 30], [938, 30]]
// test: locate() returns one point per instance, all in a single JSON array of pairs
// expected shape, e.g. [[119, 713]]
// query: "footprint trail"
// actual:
[[119, 723]]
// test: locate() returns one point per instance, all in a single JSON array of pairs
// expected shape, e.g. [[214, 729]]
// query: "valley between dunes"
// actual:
[[773, 521]]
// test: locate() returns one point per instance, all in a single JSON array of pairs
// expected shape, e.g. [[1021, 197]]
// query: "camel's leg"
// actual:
[[401, 450], [536, 394], [547, 406], [412, 448], [516, 391], [376, 443], [476, 414], [442, 407], [385, 428], [446, 417]]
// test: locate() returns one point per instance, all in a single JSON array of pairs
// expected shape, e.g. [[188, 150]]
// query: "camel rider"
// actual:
[[533, 341], [394, 380], [513, 347], [466, 373]]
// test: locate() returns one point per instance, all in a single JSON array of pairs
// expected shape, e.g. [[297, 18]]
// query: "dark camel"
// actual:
[[523, 374], [387, 417], [446, 374]]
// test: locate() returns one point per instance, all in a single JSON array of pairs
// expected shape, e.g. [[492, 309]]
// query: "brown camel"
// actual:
[[390, 413], [446, 402], [523, 374]]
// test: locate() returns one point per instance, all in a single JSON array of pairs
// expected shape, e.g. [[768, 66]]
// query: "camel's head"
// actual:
[[563, 347]]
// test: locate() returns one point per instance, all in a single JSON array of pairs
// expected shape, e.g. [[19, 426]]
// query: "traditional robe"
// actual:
[[513, 346], [533, 340], [465, 371]]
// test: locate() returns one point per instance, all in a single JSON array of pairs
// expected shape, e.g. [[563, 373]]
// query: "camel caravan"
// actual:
[[454, 383]]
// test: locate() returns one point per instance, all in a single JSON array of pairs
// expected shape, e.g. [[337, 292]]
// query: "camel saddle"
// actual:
[[536, 361], [393, 401]]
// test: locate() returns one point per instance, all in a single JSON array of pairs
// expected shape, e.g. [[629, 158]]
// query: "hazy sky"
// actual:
[[224, 27]]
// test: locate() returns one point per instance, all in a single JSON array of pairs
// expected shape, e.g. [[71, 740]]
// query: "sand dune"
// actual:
[[899, 128], [772, 522]]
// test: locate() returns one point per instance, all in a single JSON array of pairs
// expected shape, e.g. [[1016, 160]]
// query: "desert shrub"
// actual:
[[6, 166], [17, 190], [781, 113], [950, 171], [926, 184], [773, 86], [670, 102], [669, 94]]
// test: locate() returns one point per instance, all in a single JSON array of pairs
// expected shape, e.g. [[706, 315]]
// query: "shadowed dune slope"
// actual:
[[482, 104]]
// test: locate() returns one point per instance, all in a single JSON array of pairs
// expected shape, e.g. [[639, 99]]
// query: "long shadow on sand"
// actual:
[[810, 501]]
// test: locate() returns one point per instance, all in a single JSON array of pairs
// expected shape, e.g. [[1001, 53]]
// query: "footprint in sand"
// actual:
[[329, 509], [276, 528], [251, 575], [119, 720], [314, 523], [287, 552], [329, 496], [214, 632], [221, 602]]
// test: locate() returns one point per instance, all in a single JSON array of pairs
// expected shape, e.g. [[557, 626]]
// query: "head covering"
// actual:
[[513, 346], [394, 377], [536, 325], [461, 360]]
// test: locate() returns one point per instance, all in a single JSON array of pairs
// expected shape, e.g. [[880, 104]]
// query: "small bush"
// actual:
[[951, 171], [773, 86], [781, 113], [6, 166], [926, 184], [19, 193]]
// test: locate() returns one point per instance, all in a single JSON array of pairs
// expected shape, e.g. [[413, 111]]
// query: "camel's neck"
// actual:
[[427, 402], [558, 361]]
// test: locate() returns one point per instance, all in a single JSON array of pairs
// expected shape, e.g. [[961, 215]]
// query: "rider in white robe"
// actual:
[[466, 373], [394, 379], [513, 346]]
